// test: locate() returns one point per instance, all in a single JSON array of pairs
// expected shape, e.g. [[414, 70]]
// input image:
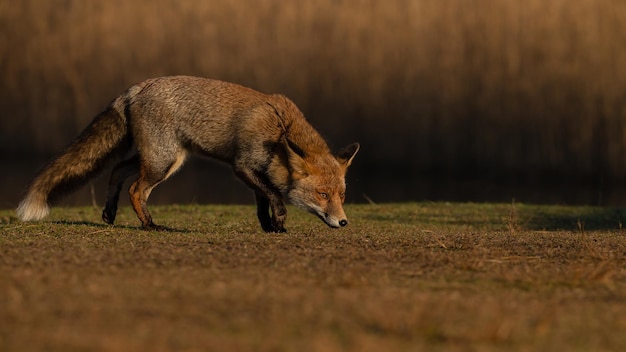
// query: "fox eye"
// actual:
[[324, 195]]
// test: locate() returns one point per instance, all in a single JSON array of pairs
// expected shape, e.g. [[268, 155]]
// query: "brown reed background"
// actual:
[[521, 91]]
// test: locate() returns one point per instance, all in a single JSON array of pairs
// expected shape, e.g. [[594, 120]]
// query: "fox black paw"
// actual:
[[155, 227], [272, 229], [108, 216]]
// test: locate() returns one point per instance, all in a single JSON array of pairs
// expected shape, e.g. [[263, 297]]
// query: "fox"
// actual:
[[150, 130]]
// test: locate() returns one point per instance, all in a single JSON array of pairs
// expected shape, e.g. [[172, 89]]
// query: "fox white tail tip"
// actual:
[[32, 209]]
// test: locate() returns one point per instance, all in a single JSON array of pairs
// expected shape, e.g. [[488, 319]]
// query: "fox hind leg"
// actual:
[[139, 192], [121, 172], [150, 175]]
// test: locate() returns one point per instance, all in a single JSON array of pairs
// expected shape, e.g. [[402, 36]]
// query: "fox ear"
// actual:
[[295, 158], [346, 154]]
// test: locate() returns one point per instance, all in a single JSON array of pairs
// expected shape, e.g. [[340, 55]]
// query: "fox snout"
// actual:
[[333, 221]]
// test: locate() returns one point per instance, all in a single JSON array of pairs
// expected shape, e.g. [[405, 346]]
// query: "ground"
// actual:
[[415, 276]]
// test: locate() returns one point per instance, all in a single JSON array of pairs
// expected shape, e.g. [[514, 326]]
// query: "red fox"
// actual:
[[155, 125]]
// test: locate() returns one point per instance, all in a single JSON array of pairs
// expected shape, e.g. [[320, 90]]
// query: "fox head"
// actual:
[[318, 182]]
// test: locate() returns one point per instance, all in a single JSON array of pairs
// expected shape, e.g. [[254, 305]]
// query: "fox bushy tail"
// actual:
[[103, 139]]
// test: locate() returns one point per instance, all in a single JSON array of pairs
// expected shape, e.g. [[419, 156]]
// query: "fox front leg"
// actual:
[[268, 223], [279, 214], [263, 212], [273, 202], [267, 197]]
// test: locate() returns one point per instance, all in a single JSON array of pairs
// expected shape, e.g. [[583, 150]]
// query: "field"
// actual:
[[414, 276], [510, 90]]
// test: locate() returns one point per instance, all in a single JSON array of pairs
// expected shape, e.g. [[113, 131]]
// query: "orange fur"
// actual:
[[265, 138]]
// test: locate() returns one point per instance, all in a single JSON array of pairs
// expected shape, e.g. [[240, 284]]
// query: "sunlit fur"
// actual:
[[325, 176], [151, 129], [317, 182]]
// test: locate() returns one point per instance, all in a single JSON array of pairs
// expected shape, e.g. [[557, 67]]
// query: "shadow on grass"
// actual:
[[575, 218], [501, 216], [125, 227]]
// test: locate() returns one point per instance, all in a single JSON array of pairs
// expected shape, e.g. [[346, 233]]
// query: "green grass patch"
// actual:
[[414, 276]]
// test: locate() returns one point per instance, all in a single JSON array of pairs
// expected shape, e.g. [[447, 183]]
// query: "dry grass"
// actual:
[[430, 276], [522, 89]]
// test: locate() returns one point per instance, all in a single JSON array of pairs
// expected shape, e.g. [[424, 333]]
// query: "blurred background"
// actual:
[[458, 100]]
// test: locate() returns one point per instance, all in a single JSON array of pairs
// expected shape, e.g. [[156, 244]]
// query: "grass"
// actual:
[[505, 89], [415, 276]]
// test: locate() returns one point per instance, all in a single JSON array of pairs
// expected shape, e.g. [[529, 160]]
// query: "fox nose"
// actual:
[[343, 222]]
